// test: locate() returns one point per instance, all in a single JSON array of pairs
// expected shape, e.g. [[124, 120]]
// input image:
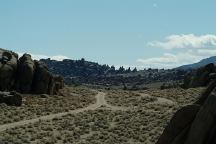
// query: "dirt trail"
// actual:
[[100, 97], [51, 116], [100, 103], [159, 100]]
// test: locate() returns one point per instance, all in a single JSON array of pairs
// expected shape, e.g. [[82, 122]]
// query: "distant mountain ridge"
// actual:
[[93, 73], [199, 64]]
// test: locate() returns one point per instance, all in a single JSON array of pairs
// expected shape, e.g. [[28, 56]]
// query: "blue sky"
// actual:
[[142, 33]]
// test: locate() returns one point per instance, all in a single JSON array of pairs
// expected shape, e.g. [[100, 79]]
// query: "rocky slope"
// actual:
[[25, 75], [85, 72], [194, 124]]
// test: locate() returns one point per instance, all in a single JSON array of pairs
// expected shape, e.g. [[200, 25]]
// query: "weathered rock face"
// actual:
[[26, 75], [194, 124], [181, 120], [8, 68], [204, 123], [41, 79]]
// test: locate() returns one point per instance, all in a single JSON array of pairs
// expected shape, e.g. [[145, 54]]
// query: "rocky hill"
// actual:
[[25, 75], [85, 72], [83, 68]]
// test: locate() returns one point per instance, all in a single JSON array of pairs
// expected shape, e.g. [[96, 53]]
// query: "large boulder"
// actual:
[[11, 98], [207, 92], [42, 78], [194, 124], [25, 74], [204, 124], [8, 68], [180, 121]]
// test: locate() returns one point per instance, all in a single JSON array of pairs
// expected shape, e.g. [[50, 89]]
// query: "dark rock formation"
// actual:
[[44, 81], [11, 98], [26, 75], [202, 129], [8, 68], [180, 121], [194, 124], [199, 77], [41, 79]]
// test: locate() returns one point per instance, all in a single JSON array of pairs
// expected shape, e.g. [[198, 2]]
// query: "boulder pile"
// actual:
[[25, 75], [194, 124]]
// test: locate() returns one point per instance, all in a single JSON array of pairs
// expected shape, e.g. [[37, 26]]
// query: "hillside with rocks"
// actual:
[[86, 72], [83, 68], [25, 75]]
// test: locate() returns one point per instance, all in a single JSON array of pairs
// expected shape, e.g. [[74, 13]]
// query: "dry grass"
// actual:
[[93, 127], [142, 124], [178, 95], [127, 98], [34, 106]]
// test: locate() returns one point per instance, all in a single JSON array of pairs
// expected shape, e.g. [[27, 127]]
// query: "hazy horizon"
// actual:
[[152, 33]]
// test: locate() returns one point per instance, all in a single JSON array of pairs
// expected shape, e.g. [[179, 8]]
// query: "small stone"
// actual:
[[44, 95]]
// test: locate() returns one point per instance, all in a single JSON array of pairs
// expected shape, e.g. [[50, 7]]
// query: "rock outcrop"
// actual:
[[8, 68], [11, 98], [26, 75], [194, 124], [199, 77]]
